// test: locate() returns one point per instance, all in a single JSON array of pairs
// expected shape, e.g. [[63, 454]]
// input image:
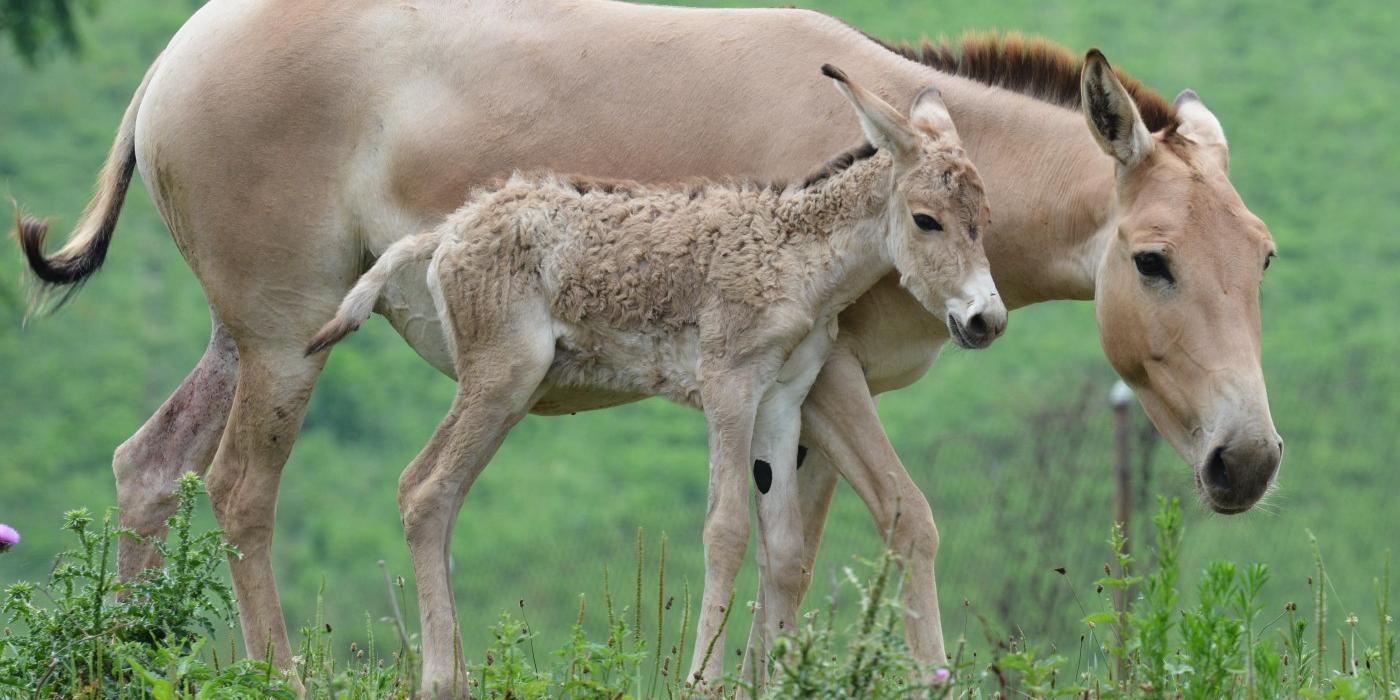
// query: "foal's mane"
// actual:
[[1031, 66], [695, 187]]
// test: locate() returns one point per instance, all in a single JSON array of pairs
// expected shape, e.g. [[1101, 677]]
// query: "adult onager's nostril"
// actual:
[[1216, 474]]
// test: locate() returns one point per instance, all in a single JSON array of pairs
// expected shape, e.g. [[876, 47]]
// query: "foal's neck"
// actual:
[[838, 227]]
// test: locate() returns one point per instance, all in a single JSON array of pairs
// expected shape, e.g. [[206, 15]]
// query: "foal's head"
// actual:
[[1178, 290], [936, 212]]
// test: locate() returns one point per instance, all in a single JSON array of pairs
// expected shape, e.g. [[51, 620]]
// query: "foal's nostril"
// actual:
[[977, 326], [1216, 475]]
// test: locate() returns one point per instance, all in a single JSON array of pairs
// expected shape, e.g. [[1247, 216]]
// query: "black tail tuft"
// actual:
[[834, 73]]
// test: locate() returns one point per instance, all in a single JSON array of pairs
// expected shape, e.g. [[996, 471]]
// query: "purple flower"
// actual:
[[941, 676], [9, 537]]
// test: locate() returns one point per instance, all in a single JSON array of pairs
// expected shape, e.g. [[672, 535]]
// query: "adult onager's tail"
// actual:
[[359, 303], [86, 248]]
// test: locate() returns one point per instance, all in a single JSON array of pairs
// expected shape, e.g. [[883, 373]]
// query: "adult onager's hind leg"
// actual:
[[274, 387], [181, 437], [840, 425], [499, 372]]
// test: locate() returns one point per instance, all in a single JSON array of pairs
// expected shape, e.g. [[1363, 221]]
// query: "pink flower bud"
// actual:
[[941, 676], [9, 537]]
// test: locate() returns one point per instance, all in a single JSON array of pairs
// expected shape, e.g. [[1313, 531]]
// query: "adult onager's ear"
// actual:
[[930, 115], [1112, 116], [1201, 127], [882, 124]]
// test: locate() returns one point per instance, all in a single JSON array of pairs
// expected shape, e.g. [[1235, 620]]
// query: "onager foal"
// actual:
[[718, 296]]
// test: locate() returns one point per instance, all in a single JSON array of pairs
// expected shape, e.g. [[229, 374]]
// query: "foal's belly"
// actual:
[[625, 363], [637, 367]]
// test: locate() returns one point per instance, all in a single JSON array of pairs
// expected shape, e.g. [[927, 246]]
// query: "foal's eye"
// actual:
[[1153, 265], [1268, 260], [927, 223]]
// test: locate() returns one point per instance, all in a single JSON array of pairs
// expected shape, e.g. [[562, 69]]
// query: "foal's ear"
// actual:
[[1112, 116], [930, 115], [1200, 126], [883, 125]]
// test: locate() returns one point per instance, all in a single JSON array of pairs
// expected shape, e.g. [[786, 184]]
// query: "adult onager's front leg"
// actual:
[[180, 437], [841, 426]]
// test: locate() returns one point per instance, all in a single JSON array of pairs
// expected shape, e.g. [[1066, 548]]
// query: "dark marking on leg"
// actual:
[[762, 475], [801, 455]]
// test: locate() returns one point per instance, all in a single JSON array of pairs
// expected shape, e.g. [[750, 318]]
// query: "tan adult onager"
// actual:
[[287, 143]]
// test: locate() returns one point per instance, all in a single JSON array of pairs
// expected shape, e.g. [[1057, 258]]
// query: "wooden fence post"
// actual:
[[1121, 397]]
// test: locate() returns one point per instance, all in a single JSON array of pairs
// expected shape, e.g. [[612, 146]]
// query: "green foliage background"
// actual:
[[1011, 445]]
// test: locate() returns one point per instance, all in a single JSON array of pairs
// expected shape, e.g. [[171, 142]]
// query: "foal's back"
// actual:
[[629, 257]]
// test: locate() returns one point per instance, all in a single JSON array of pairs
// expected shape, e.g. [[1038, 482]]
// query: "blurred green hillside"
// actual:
[[1011, 445]]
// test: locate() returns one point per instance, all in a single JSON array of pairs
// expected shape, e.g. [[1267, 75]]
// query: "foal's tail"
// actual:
[[358, 304], [86, 248]]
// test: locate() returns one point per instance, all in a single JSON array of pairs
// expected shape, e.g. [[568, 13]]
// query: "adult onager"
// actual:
[[288, 143], [722, 297]]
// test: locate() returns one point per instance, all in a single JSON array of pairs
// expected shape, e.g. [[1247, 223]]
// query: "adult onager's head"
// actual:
[[1178, 289], [937, 214]]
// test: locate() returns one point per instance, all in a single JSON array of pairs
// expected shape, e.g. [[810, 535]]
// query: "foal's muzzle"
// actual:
[[983, 322]]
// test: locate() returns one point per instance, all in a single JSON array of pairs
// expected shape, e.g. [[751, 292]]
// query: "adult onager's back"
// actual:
[[719, 296], [287, 142]]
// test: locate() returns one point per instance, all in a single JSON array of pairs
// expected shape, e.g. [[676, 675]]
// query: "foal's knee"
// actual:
[[725, 542], [789, 572]]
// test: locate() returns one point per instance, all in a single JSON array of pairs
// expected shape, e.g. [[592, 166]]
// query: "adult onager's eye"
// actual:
[[1153, 265], [927, 223]]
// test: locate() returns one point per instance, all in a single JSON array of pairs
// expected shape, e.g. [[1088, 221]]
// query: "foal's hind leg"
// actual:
[[181, 437], [500, 369]]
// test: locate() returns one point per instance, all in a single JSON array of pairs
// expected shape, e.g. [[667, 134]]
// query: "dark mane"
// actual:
[[841, 162], [1030, 66]]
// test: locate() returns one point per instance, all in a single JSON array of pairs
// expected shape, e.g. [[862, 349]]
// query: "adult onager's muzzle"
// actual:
[[978, 322], [1239, 469]]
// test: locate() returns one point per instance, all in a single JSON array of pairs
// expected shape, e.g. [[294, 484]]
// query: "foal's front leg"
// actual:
[[782, 569], [731, 398]]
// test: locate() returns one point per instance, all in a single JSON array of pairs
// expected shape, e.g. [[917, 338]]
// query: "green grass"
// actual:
[[156, 641], [1012, 445]]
